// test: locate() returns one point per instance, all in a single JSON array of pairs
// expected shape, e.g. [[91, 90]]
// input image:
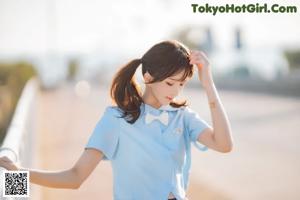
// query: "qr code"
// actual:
[[16, 184]]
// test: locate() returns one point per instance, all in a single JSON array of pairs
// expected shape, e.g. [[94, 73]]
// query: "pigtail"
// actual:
[[126, 92]]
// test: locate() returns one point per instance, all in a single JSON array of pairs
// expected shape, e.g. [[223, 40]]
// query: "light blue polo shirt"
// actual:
[[149, 160]]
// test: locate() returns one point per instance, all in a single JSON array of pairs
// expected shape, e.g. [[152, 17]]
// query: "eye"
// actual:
[[169, 84]]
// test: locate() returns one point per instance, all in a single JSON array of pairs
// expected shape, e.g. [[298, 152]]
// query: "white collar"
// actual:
[[148, 108]]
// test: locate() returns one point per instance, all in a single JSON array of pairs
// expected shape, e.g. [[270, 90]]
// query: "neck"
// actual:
[[149, 99]]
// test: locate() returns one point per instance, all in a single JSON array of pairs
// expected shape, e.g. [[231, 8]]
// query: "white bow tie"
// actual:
[[163, 118]]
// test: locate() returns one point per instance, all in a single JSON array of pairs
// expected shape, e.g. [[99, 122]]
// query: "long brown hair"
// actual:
[[161, 61]]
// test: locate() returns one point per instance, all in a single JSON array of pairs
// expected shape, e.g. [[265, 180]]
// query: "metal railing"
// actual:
[[19, 142]]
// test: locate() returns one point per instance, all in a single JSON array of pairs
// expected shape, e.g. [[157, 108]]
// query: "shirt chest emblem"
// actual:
[[178, 131]]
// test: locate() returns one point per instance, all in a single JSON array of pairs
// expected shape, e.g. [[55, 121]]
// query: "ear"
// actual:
[[147, 77]]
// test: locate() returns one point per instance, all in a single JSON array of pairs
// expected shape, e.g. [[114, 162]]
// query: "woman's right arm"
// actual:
[[71, 178]]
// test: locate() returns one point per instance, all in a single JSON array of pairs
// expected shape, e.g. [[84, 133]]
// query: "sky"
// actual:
[[131, 26]]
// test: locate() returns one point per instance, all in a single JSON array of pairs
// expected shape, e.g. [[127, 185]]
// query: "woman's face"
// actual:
[[163, 92]]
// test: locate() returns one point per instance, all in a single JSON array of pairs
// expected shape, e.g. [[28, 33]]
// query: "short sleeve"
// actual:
[[194, 126], [105, 136]]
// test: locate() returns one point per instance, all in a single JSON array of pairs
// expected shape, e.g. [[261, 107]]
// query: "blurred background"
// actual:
[[74, 48]]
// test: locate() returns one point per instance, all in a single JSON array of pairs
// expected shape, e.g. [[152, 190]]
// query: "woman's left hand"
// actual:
[[201, 61]]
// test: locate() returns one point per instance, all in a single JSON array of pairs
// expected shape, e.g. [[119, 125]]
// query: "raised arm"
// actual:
[[70, 179], [219, 137]]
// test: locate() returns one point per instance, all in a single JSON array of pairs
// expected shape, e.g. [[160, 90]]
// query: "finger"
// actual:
[[192, 56], [198, 60], [196, 53], [197, 57], [200, 54], [192, 60], [195, 62], [203, 54]]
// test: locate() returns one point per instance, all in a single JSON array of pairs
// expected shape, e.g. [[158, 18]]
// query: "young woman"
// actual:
[[147, 135]]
